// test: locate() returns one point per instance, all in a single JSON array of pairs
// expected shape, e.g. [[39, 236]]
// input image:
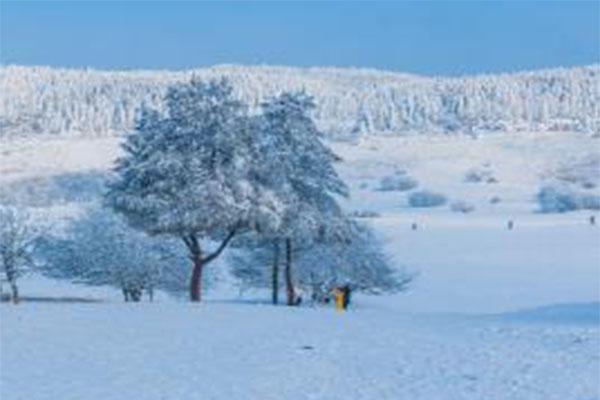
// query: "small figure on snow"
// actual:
[[511, 225], [342, 297], [347, 292], [338, 294]]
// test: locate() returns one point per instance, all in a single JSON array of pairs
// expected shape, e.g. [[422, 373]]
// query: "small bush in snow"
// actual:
[[557, 199], [426, 198], [551, 199], [588, 185], [495, 200], [589, 202], [364, 214], [461, 206], [400, 183], [478, 176]]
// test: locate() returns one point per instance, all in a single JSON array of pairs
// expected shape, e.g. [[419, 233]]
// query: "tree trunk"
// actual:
[[193, 244], [275, 274], [14, 292], [196, 281], [289, 284]]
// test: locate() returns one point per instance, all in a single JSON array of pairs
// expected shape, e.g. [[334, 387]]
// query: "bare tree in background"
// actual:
[[17, 239]]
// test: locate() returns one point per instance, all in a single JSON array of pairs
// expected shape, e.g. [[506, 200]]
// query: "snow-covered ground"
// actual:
[[494, 313], [249, 351]]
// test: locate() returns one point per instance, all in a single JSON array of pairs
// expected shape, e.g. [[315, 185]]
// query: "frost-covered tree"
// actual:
[[17, 242], [356, 260], [47, 100], [101, 249], [300, 171], [254, 265], [190, 173]]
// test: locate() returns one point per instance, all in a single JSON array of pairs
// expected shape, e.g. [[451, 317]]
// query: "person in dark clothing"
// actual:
[[347, 293]]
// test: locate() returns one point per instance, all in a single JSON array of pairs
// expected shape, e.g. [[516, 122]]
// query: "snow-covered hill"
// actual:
[[351, 102], [440, 203]]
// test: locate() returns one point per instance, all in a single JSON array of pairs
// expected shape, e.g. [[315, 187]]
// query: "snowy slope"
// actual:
[[246, 351], [494, 314]]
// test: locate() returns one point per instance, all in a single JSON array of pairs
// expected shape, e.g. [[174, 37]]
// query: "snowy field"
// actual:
[[494, 313], [250, 351]]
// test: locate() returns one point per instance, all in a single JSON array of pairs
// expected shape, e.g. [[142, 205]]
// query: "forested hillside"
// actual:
[[351, 102]]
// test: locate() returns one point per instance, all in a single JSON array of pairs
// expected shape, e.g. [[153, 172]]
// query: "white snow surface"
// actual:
[[249, 351], [493, 314]]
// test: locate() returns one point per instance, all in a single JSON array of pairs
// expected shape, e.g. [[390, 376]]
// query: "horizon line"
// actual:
[[301, 68]]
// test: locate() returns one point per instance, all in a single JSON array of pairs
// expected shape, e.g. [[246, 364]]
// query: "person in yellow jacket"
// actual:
[[339, 294]]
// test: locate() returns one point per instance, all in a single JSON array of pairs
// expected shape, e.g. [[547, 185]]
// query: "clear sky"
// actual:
[[443, 37]]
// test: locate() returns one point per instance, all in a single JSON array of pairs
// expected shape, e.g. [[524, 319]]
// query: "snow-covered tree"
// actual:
[[101, 249], [300, 171], [255, 265], [190, 173], [17, 242], [47, 100], [356, 260]]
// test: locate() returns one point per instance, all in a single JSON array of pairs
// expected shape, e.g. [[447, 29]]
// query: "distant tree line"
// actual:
[[351, 102]]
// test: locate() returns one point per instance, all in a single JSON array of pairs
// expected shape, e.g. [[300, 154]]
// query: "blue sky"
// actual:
[[444, 37]]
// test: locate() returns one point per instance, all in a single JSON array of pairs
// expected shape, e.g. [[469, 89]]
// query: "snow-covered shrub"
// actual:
[[479, 175], [100, 249], [398, 182], [462, 206], [552, 199], [364, 214], [560, 199], [589, 202], [425, 198], [495, 200]]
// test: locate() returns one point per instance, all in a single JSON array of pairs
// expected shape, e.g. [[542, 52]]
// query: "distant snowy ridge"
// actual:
[[351, 102]]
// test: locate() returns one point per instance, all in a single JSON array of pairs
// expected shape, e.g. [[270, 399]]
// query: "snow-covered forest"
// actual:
[[350, 102]]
